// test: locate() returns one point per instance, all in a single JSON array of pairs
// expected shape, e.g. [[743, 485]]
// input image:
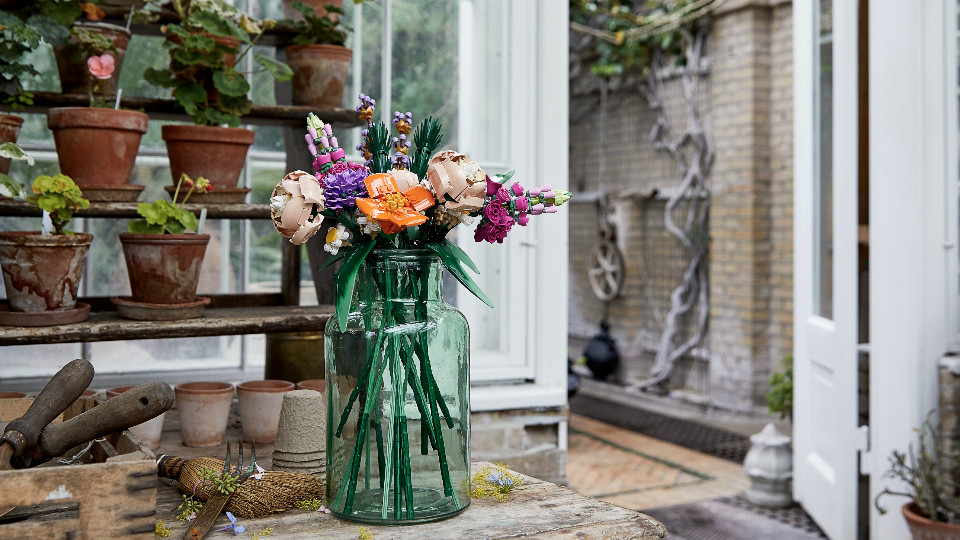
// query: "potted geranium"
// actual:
[[97, 145], [320, 61], [930, 479], [42, 270], [163, 253], [204, 48]]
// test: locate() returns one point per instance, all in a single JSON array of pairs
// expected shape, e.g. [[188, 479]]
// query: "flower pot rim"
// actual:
[[11, 395], [97, 118], [204, 387], [153, 238], [117, 390], [10, 119], [36, 238], [104, 26], [913, 516], [339, 49], [266, 386], [197, 133]]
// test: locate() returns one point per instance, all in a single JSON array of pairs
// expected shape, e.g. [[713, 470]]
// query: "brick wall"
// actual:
[[748, 98], [527, 440]]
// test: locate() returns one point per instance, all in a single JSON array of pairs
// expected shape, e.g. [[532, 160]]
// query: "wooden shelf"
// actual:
[[109, 326], [165, 109], [10, 207]]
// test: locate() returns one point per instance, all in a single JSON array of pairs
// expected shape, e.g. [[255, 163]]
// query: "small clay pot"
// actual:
[[260, 403], [8, 395], [204, 409], [42, 273], [319, 74], [319, 385], [164, 268], [148, 432], [72, 64], [213, 152]]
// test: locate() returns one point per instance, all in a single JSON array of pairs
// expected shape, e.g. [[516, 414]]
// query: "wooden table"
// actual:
[[537, 509]]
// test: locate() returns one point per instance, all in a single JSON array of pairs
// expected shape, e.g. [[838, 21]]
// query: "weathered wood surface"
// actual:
[[116, 499], [165, 109], [10, 207], [537, 509], [109, 326]]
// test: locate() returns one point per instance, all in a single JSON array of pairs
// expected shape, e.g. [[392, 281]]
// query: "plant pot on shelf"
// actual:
[[213, 152], [72, 65], [41, 274], [923, 528], [164, 270], [317, 5], [319, 74], [97, 148], [203, 409], [9, 130], [260, 403]]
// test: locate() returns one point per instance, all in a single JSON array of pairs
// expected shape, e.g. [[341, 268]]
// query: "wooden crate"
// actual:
[[111, 494]]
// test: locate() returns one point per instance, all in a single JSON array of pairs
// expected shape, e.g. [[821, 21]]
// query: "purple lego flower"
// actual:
[[342, 189]]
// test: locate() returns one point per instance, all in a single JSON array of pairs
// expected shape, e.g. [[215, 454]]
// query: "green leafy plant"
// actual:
[[202, 73], [8, 186], [16, 40], [162, 216], [59, 196], [322, 30], [930, 475], [780, 397]]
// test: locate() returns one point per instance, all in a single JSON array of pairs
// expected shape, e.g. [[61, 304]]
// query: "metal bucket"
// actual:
[[294, 356]]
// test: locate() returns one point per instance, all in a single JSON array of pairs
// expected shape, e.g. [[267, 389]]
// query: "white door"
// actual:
[[825, 264]]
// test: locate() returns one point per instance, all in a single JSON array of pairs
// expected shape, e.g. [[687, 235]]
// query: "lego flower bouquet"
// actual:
[[397, 355]]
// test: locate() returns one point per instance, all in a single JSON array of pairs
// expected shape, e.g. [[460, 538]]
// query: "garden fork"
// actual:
[[212, 508]]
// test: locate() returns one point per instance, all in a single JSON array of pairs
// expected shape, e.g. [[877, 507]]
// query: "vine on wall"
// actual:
[[647, 37]]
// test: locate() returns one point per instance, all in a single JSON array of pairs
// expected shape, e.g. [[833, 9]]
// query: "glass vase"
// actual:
[[398, 399]]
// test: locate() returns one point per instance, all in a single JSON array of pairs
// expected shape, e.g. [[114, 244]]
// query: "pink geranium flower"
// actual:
[[101, 66]]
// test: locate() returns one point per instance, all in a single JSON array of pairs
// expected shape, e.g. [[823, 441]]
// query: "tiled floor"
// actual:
[[695, 495]]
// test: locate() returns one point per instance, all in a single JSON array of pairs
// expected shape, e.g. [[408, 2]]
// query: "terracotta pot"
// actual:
[[97, 147], [42, 273], [317, 5], [319, 74], [260, 403], [164, 268], [317, 385], [923, 528], [148, 432], [72, 64], [9, 130], [9, 395], [204, 409], [213, 152]]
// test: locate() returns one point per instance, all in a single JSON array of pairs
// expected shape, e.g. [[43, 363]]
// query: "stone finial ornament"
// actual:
[[292, 206]]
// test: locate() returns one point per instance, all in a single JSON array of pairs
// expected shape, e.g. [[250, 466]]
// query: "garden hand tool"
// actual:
[[212, 508], [135, 406], [60, 392]]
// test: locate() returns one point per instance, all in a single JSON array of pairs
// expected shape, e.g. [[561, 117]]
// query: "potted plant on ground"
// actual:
[[320, 61], [769, 462], [42, 270], [163, 259], [930, 478], [97, 145], [204, 48]]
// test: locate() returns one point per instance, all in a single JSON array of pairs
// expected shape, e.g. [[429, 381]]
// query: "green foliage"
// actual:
[[634, 31], [206, 84], [162, 216], [929, 474], [427, 138], [8, 186], [314, 30], [16, 40], [59, 196], [780, 397]]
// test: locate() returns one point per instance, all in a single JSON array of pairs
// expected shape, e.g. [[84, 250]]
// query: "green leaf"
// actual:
[[216, 118], [231, 83], [12, 151], [9, 187], [220, 26], [53, 32], [174, 227], [278, 69], [142, 227], [159, 77], [190, 96], [460, 254], [346, 279], [453, 265], [332, 260], [188, 220]]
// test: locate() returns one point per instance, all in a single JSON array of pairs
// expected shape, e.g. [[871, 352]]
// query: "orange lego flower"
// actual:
[[392, 209]]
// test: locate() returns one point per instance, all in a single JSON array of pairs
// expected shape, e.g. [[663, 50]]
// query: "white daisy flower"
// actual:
[[336, 238]]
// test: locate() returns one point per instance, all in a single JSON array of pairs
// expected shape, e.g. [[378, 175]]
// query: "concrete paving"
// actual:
[[695, 495]]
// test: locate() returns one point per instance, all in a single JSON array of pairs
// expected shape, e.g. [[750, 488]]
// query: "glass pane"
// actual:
[[823, 184]]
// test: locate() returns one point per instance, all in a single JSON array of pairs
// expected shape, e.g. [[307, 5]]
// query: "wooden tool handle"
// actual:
[[130, 408], [60, 392]]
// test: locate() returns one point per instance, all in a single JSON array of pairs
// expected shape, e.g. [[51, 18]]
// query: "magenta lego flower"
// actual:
[[495, 213], [101, 66]]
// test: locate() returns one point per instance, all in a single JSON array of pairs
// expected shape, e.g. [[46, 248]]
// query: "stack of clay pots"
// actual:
[[301, 434]]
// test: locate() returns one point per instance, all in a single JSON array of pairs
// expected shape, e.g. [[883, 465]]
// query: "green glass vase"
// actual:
[[398, 398]]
